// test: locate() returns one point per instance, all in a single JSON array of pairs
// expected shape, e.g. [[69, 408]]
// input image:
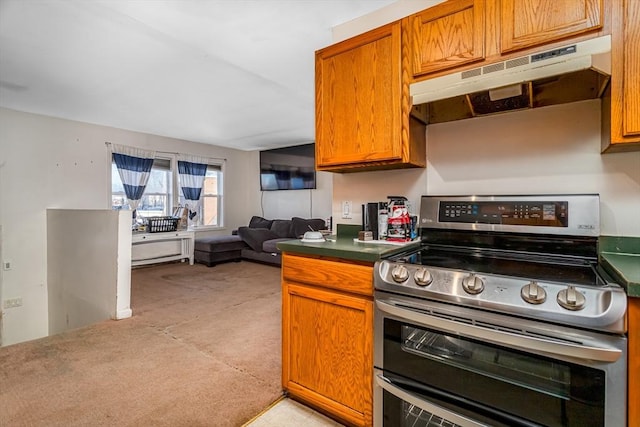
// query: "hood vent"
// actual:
[[568, 74]]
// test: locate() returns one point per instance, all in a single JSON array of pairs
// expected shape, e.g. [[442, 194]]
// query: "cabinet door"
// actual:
[[625, 77], [328, 351], [358, 97], [528, 23], [447, 35]]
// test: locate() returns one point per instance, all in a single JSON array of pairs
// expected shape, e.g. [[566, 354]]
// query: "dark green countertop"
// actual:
[[344, 247], [620, 257]]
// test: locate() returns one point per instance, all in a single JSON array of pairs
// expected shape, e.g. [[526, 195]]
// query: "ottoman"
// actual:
[[213, 250]]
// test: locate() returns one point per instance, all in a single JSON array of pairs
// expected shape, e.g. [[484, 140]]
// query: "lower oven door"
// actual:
[[401, 403], [468, 367]]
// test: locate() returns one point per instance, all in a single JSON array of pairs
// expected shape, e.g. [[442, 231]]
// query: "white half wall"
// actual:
[[48, 163], [1, 299], [123, 272], [84, 281]]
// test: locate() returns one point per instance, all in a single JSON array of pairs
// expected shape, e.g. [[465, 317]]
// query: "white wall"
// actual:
[[278, 204], [1, 275], [302, 203], [550, 150], [53, 163]]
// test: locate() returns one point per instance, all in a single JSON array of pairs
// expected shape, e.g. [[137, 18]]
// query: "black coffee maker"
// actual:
[[374, 219]]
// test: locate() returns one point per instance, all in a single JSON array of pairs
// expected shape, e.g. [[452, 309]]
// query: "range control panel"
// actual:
[[537, 214]]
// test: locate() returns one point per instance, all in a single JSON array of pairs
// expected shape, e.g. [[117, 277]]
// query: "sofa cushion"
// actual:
[[264, 257], [282, 228], [270, 245], [299, 226], [259, 222], [254, 237]]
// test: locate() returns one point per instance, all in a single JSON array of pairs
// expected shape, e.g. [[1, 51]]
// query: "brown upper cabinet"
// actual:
[[461, 33], [364, 116], [447, 35], [363, 119], [530, 23], [621, 106]]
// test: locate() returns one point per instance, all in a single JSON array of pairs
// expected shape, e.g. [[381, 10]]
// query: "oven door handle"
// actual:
[[432, 408], [531, 344]]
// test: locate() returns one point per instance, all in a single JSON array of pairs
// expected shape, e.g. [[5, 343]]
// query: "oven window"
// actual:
[[413, 416], [399, 413], [493, 381], [541, 375]]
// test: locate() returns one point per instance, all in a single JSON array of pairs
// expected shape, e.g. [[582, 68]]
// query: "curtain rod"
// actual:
[[173, 152]]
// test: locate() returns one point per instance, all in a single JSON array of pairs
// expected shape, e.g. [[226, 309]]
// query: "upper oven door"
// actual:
[[465, 361]]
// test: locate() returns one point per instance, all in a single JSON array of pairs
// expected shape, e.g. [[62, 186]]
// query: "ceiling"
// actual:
[[233, 73]]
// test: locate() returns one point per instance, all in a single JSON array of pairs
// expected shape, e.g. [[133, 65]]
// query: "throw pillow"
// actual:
[[282, 227], [259, 222], [299, 226], [254, 237]]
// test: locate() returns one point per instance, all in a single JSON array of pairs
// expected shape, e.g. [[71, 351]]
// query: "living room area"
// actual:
[[190, 324], [70, 168], [203, 348]]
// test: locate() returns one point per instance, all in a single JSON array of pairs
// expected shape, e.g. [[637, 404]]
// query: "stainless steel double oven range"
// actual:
[[502, 317]]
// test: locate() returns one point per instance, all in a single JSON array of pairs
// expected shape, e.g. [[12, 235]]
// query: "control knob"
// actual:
[[399, 273], [472, 284], [422, 277], [533, 293], [571, 299]]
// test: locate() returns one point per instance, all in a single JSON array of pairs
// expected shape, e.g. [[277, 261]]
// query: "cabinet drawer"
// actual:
[[340, 275]]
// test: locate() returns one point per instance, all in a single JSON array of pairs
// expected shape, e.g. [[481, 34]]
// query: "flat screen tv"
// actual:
[[288, 168]]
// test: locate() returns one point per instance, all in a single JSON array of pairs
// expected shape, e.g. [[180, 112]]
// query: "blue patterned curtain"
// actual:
[[134, 167], [192, 171]]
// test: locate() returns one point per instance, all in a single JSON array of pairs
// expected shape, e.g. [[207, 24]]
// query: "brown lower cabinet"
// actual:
[[327, 336]]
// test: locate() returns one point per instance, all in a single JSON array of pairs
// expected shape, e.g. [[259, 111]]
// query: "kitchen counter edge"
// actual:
[[346, 248], [620, 257]]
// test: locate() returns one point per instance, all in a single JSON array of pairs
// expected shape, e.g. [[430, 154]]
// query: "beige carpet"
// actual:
[[202, 349]]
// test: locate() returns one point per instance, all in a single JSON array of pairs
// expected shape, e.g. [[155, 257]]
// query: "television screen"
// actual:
[[288, 168]]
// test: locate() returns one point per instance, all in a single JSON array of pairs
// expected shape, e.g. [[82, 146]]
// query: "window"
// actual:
[[210, 212], [159, 196]]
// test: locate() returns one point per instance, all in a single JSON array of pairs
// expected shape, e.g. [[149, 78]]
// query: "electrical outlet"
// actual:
[[12, 303], [346, 209]]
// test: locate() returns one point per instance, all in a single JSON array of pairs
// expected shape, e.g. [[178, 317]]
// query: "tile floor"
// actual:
[[287, 412]]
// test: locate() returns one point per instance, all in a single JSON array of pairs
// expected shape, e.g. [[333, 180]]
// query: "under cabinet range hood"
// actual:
[[567, 74]]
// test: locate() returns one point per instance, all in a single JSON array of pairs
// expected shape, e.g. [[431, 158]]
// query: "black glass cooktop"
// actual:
[[527, 266], [549, 258]]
